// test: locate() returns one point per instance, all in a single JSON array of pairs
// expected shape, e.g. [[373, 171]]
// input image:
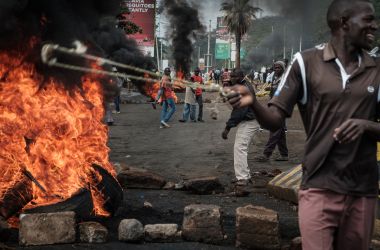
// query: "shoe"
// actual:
[[200, 120], [282, 158], [163, 123], [162, 126], [154, 105], [110, 123], [181, 120], [118, 112], [243, 183], [262, 158]]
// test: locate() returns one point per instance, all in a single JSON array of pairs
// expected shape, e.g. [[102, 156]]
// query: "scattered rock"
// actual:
[[257, 228], [148, 204], [131, 230], [47, 229], [179, 186], [140, 178], [162, 233], [203, 223], [296, 244], [206, 185], [169, 186], [92, 232]]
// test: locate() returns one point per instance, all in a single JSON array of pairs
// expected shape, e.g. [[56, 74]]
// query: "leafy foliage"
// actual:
[[238, 15]]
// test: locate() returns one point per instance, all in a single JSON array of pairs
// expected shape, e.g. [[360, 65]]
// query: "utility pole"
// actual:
[[208, 57], [161, 61], [284, 41]]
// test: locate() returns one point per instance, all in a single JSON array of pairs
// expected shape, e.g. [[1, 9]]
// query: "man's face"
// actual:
[[167, 72], [278, 71], [361, 26]]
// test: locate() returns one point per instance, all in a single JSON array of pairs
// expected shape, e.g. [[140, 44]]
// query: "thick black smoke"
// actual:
[[184, 22], [61, 22], [297, 24]]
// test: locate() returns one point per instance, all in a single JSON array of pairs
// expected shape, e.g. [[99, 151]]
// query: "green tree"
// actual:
[[125, 24], [238, 15]]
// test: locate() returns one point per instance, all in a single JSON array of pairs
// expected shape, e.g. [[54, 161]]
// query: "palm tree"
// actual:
[[238, 16]]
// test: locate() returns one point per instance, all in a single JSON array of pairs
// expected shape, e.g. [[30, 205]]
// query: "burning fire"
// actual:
[[53, 133], [151, 89]]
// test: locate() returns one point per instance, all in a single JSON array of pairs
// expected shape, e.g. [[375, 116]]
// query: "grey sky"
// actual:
[[209, 10]]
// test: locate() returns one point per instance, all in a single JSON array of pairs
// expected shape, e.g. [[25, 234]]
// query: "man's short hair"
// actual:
[[339, 9], [237, 73]]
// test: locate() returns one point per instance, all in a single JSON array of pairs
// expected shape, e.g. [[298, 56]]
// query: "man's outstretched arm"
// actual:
[[270, 117]]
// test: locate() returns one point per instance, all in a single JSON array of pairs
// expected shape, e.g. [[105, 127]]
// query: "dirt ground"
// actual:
[[191, 149], [186, 151]]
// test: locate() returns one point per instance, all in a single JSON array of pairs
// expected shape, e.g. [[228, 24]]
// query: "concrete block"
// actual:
[[47, 229]]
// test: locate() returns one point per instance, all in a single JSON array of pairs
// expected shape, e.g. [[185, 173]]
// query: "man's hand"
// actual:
[[225, 134], [239, 96], [350, 130]]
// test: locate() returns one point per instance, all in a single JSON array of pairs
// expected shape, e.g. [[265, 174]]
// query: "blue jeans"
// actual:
[[168, 109], [189, 109]]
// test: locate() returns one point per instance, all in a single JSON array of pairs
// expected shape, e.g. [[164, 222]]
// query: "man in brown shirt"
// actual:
[[336, 87]]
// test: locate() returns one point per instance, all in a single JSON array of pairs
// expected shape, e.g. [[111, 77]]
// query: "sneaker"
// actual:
[[262, 158], [282, 158], [200, 120], [181, 120], [162, 126], [163, 123], [118, 112]]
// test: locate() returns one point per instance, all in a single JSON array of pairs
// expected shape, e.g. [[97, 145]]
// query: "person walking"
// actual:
[[336, 87], [190, 107], [167, 97], [247, 126], [277, 138]]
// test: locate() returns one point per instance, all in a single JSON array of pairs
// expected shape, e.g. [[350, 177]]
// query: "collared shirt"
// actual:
[[327, 97]]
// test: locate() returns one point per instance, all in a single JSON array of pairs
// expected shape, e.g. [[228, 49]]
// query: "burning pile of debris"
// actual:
[[53, 152]]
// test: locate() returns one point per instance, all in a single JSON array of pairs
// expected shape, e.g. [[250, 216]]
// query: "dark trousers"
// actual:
[[200, 104], [277, 138], [117, 103]]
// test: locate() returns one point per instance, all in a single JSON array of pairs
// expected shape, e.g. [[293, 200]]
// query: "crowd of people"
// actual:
[[336, 89]]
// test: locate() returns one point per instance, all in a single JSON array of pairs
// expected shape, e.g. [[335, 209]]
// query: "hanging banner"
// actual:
[[222, 46], [143, 14]]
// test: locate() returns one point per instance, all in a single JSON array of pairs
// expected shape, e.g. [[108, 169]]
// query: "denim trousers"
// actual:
[[189, 110], [168, 109]]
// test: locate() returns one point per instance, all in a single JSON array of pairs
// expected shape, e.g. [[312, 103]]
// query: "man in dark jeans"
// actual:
[[336, 88], [198, 94], [277, 138]]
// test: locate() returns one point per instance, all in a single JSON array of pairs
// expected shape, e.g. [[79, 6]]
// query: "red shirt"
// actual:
[[165, 84], [198, 79]]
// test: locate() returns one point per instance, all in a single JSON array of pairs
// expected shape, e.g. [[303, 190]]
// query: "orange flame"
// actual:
[[151, 89], [54, 133]]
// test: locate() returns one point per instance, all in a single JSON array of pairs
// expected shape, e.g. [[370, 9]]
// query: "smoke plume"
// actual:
[[61, 22], [184, 22]]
